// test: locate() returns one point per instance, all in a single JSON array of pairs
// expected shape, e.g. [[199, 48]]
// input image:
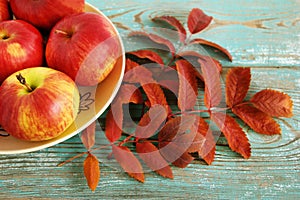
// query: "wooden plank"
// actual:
[[256, 33]]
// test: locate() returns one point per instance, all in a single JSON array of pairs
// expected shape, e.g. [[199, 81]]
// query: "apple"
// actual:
[[21, 46], [44, 14], [5, 13], [85, 46], [38, 103]]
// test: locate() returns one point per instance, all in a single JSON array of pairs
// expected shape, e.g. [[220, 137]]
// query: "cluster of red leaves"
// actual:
[[165, 137]]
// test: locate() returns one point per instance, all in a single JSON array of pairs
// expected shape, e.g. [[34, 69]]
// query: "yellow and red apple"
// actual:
[[21, 46], [5, 13], [44, 14], [85, 46], [38, 103]]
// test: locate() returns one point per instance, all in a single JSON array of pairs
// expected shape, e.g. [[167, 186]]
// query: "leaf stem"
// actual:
[[71, 159]]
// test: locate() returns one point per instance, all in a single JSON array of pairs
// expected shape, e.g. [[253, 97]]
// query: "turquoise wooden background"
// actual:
[[263, 35]]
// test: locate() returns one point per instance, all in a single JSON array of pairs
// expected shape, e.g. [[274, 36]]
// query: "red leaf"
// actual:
[[198, 20], [174, 140], [257, 120], [234, 134], [213, 45], [205, 137], [157, 39], [91, 171], [184, 160], [129, 93], [151, 55], [113, 129], [155, 94], [188, 88], [175, 23], [130, 164], [213, 91], [88, 136], [153, 159], [151, 121], [171, 85], [274, 103], [130, 65], [138, 74], [187, 55], [237, 85]]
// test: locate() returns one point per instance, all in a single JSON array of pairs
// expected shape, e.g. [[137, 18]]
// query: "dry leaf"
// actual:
[[150, 154], [151, 121], [148, 54], [155, 38], [237, 85], [175, 23], [175, 138], [208, 144], [213, 91], [113, 129], [130, 164], [274, 103], [130, 65], [257, 120], [188, 88], [191, 55], [91, 171], [198, 20], [234, 134], [212, 44], [88, 136]]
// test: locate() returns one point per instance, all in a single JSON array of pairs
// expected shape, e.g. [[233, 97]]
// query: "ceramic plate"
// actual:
[[93, 102]]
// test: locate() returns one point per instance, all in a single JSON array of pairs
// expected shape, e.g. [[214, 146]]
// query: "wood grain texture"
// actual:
[[263, 35]]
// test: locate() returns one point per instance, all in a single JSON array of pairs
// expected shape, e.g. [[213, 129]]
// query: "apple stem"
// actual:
[[61, 32], [23, 81]]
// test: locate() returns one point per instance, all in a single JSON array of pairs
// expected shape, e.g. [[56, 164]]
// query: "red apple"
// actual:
[[5, 13], [44, 14], [21, 46], [85, 46], [38, 103]]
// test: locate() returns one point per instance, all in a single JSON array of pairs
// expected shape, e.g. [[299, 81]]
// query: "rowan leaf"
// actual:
[[198, 20], [237, 85], [259, 121], [113, 128], [184, 160], [130, 65], [155, 94], [213, 45], [156, 39], [190, 55], [274, 103], [174, 22], [234, 134], [129, 93], [91, 171], [151, 121], [175, 138], [127, 160], [213, 91], [205, 138], [150, 154], [148, 54], [88, 136], [188, 88], [137, 74]]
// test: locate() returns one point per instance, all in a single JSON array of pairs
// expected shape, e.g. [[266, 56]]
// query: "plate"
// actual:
[[93, 102]]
